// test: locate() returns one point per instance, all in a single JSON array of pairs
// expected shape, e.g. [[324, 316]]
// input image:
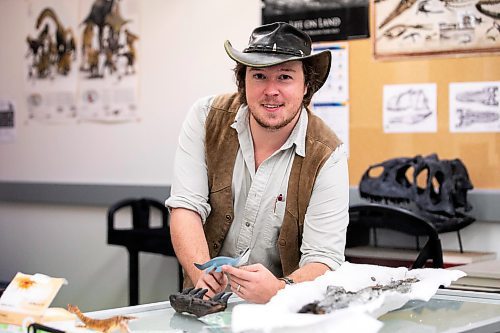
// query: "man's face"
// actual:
[[274, 94]]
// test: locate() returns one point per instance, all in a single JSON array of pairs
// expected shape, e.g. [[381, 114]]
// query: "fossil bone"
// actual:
[[191, 301], [338, 298]]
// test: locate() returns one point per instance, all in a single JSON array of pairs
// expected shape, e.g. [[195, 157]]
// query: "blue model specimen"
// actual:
[[217, 262]]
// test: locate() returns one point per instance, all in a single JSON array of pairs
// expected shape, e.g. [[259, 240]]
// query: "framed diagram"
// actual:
[[404, 28]]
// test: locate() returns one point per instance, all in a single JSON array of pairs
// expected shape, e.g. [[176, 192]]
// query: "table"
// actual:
[[448, 311]]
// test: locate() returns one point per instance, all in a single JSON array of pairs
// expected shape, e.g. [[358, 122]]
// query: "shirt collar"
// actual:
[[297, 137]]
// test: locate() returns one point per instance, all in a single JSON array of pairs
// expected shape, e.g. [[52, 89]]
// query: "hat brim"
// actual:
[[321, 60]]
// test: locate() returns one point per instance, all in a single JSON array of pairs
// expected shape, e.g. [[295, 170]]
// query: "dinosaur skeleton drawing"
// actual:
[[485, 96], [413, 103], [468, 117], [409, 108], [438, 26], [411, 99], [475, 107]]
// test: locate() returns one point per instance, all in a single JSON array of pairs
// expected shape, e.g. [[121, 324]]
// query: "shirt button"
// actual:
[[282, 242], [247, 224], [215, 245], [228, 217]]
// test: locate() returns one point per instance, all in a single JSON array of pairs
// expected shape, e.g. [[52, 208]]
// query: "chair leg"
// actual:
[[133, 279], [460, 242], [180, 277], [438, 254]]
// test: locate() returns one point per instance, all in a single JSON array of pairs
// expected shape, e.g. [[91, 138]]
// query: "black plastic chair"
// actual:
[[141, 238], [365, 217]]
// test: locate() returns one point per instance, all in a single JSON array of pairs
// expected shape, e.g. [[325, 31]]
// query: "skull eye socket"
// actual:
[[376, 171], [402, 176], [435, 187], [421, 180]]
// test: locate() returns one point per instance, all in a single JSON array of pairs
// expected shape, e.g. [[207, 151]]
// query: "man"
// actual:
[[258, 170]]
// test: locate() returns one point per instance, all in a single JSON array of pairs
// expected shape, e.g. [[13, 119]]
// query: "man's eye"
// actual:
[[259, 76], [285, 77]]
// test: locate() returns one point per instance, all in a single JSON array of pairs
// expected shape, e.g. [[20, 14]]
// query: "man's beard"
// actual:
[[273, 128]]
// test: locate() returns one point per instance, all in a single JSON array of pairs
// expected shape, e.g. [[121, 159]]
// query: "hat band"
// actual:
[[273, 49]]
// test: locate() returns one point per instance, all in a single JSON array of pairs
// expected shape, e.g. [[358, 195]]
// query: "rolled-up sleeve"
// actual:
[[327, 215], [190, 185]]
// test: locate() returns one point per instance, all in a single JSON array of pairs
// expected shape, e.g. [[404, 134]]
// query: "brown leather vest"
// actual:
[[221, 147]]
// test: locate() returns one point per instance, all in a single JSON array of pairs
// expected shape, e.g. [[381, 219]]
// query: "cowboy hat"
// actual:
[[275, 43]]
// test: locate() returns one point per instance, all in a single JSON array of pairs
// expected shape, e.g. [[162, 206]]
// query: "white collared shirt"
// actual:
[[259, 196]]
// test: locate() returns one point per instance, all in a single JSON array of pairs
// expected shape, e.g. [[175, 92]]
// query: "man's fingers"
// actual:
[[219, 277], [242, 273], [213, 284], [252, 268], [210, 282]]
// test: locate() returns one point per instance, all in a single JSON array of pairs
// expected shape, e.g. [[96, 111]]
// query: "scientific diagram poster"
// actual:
[[475, 107], [410, 108]]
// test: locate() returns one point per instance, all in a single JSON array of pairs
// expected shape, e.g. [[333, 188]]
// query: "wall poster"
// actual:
[[7, 121], [410, 108], [475, 106], [323, 20], [331, 102], [81, 61], [435, 27]]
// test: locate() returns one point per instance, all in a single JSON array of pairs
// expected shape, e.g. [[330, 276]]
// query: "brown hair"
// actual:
[[311, 80]]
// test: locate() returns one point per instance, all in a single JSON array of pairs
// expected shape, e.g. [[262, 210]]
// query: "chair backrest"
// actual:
[[395, 218], [140, 212], [142, 237]]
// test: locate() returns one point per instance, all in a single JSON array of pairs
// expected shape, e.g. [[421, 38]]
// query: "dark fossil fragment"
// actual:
[[338, 298], [192, 301]]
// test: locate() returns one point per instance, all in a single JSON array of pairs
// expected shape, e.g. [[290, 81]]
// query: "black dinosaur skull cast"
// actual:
[[444, 193]]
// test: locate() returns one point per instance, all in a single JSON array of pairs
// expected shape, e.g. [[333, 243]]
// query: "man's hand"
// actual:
[[214, 282], [253, 283]]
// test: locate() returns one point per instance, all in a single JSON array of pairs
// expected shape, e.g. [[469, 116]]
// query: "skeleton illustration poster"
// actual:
[[428, 27], [50, 58], [475, 107], [410, 108], [81, 60], [108, 64]]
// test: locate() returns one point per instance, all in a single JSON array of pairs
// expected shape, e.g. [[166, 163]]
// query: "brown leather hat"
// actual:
[[275, 43]]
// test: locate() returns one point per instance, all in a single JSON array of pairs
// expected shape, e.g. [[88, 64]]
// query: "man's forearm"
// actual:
[[309, 272], [188, 239]]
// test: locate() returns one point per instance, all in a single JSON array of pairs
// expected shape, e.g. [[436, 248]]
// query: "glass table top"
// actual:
[[447, 311]]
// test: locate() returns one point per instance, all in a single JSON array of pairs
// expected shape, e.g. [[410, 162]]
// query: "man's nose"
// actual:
[[271, 88]]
